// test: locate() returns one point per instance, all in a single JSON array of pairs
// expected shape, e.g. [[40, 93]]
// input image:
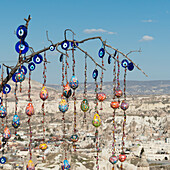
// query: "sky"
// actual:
[[126, 25]]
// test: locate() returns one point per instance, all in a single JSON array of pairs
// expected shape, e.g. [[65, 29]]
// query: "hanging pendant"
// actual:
[[16, 121], [74, 138], [101, 53], [63, 106], [21, 32], [130, 66], [122, 157], [114, 104], [3, 112], [6, 133], [118, 93], [2, 160], [67, 91], [113, 159], [44, 93], [73, 82], [29, 109], [30, 165], [84, 105], [124, 105], [43, 146], [96, 120], [66, 164], [101, 96], [125, 63], [6, 89], [20, 76]]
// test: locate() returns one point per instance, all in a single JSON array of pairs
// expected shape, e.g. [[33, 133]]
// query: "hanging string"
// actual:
[[16, 102], [101, 82], [118, 74]]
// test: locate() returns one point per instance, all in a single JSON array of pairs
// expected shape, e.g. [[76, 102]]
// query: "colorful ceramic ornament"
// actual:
[[23, 69], [20, 76], [124, 105], [14, 77], [16, 121], [118, 93], [43, 146], [101, 96], [52, 47], [6, 88], [21, 47], [96, 120], [2, 160], [109, 59], [29, 109], [122, 157], [30, 165], [3, 112], [67, 91], [21, 32], [65, 45], [113, 159], [130, 66], [73, 82], [95, 74], [74, 138], [6, 133], [101, 53], [125, 63], [63, 106], [84, 105], [38, 59], [114, 104], [31, 66], [44, 93], [66, 164]]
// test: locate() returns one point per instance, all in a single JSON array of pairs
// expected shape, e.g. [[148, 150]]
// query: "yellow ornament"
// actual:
[[43, 146], [96, 120]]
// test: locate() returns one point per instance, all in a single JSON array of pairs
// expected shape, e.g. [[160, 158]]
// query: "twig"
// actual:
[[48, 38], [134, 51], [27, 21]]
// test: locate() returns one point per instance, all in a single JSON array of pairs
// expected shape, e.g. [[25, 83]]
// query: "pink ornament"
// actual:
[[6, 133]]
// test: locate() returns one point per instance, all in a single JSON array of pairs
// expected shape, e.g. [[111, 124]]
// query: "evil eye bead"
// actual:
[[38, 59], [115, 53], [21, 47], [21, 32], [23, 69], [31, 66], [124, 63], [65, 45], [130, 66], [52, 48], [3, 160], [0, 100], [109, 59], [61, 57], [101, 53], [14, 77], [74, 45], [95, 74], [6, 88]]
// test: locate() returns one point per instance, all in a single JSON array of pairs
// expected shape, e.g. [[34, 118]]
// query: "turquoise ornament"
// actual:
[[73, 82], [3, 112], [63, 106], [16, 121]]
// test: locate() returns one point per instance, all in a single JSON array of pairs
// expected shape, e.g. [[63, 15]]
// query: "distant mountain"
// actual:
[[157, 87]]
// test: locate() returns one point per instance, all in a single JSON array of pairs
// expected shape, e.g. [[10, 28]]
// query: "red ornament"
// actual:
[[101, 96], [118, 93], [114, 104], [122, 157], [29, 109]]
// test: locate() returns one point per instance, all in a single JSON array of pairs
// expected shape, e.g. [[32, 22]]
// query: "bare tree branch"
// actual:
[[27, 21], [134, 51]]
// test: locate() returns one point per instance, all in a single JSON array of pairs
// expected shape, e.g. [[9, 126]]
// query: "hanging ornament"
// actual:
[[114, 104], [84, 105], [21, 32], [61, 57], [6, 89], [21, 47], [23, 69], [14, 77], [67, 91], [2, 160], [101, 53], [73, 82], [113, 159], [101, 96], [74, 45], [44, 93], [30, 165], [95, 74], [65, 45], [124, 105], [109, 59], [118, 93], [16, 121], [3, 112], [66, 164], [20, 76], [63, 106], [38, 59], [130, 66], [6, 133], [125, 63], [74, 138], [122, 157], [43, 146], [31, 66], [29, 109], [96, 120], [52, 47]]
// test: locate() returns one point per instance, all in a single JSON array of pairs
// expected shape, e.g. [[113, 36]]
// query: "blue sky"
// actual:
[[126, 25]]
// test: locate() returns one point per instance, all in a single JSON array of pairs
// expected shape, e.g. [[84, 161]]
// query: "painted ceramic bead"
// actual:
[[43, 146], [2, 160], [101, 96], [20, 76], [63, 106], [118, 93], [122, 157], [3, 112], [85, 105], [124, 105], [29, 109], [96, 120], [73, 82], [74, 138], [30, 165], [44, 93], [113, 159], [114, 104], [67, 91], [16, 121], [6, 133], [66, 164]]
